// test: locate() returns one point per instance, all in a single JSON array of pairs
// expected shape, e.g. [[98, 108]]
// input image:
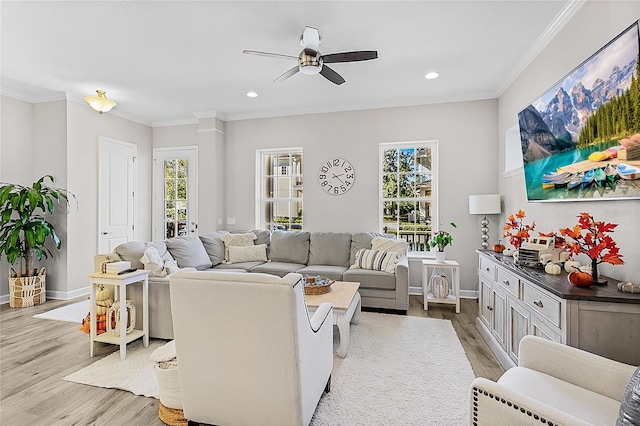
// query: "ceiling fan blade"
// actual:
[[286, 74], [331, 75], [310, 38], [270, 55], [360, 55]]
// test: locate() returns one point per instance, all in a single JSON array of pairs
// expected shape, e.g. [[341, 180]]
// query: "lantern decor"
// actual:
[[516, 230], [439, 285], [590, 237]]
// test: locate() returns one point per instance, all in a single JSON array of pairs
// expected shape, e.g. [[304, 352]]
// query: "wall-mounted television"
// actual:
[[572, 135]]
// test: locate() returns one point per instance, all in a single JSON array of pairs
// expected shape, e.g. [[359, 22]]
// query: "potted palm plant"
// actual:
[[441, 239], [24, 231]]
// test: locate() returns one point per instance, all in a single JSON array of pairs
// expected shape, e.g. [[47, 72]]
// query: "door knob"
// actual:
[[105, 233]]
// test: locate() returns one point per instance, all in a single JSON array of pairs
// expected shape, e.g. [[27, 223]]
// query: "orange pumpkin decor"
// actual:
[[498, 248], [580, 279]]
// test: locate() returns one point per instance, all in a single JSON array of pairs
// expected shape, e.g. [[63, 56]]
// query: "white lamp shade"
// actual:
[[484, 204]]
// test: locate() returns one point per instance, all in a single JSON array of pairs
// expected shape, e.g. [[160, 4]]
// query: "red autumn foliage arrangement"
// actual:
[[590, 237], [517, 231]]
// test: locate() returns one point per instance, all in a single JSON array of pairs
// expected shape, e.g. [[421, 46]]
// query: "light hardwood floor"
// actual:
[[35, 355]]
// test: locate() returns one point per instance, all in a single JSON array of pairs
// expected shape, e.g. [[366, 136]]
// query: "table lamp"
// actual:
[[484, 204]]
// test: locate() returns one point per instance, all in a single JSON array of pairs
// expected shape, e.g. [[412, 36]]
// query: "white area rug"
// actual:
[[70, 313], [399, 370]]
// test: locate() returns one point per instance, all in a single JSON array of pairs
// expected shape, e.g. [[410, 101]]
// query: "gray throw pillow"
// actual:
[[330, 248], [290, 247], [189, 252], [214, 246], [629, 414]]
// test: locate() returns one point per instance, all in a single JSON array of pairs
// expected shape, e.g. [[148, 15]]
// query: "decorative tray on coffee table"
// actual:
[[315, 286]]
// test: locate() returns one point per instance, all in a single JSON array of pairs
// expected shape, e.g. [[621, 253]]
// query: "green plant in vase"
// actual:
[[441, 239]]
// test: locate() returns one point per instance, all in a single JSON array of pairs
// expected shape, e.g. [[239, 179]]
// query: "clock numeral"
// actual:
[[350, 176], [324, 169], [348, 169], [342, 188], [348, 183], [322, 176], [335, 190], [336, 161], [325, 183]]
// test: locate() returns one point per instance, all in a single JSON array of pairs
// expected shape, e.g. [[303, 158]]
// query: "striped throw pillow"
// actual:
[[376, 260]]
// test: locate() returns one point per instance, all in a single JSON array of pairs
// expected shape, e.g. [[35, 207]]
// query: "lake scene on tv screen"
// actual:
[[572, 135]]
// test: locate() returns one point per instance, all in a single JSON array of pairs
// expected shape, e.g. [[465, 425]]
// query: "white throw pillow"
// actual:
[[389, 244], [376, 260], [156, 266], [248, 253], [236, 240]]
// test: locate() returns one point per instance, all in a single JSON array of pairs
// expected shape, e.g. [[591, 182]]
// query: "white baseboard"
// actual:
[[55, 295]]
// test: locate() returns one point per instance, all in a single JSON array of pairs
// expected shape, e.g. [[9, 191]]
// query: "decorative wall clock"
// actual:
[[336, 176]]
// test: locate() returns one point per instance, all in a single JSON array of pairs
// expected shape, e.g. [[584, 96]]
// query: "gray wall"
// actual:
[[593, 26], [467, 135]]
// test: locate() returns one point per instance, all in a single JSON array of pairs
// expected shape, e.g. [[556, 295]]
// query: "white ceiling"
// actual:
[[172, 61]]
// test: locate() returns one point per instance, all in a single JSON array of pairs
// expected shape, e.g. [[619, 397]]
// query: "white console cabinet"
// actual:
[[516, 301]]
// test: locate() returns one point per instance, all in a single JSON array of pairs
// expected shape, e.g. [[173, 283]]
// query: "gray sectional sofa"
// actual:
[[326, 254]]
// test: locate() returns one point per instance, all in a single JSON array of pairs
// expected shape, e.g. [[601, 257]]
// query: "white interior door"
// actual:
[[175, 192], [116, 193]]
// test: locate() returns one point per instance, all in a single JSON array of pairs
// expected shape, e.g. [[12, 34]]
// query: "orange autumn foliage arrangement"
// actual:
[[517, 231], [590, 237]]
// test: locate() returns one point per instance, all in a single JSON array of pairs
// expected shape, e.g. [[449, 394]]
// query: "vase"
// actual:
[[440, 256]]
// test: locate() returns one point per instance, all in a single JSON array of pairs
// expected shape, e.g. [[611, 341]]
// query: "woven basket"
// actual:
[[317, 289], [27, 291], [171, 416]]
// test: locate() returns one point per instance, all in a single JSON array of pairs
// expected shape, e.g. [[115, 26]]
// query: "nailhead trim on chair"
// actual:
[[479, 392]]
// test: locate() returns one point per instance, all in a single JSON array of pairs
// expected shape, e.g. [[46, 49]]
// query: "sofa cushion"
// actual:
[[389, 244], [133, 251], [289, 247], [189, 252], [328, 271], [376, 260], [214, 246], [277, 268], [369, 279], [361, 240], [329, 248], [589, 406], [253, 253], [629, 413], [235, 267]]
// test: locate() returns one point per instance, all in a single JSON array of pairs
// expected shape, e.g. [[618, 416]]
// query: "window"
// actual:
[[408, 188], [280, 205]]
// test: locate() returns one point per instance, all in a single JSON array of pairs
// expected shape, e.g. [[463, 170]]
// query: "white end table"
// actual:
[[428, 266], [120, 283]]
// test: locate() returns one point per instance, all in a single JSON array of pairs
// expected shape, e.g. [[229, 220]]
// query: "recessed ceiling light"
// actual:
[[432, 75], [252, 94]]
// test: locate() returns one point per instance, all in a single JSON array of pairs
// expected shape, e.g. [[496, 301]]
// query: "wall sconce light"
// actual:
[[484, 204], [100, 103]]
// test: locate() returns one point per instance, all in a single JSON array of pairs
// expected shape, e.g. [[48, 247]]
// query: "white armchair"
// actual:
[[247, 351], [553, 384]]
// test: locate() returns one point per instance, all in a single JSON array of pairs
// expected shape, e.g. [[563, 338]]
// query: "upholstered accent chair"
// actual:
[[553, 384], [247, 351]]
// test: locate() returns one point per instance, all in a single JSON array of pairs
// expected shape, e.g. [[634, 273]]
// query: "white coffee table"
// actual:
[[346, 303]]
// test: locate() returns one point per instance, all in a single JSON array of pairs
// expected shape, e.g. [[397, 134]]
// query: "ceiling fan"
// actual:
[[310, 61]]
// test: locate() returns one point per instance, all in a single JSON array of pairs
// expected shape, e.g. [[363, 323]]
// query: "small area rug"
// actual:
[[399, 370], [70, 313]]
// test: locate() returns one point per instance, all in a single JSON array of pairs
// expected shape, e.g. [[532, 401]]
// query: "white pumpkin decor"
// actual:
[[507, 252], [571, 265], [552, 268]]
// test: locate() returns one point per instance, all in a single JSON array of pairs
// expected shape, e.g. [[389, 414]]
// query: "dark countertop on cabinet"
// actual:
[[560, 286]]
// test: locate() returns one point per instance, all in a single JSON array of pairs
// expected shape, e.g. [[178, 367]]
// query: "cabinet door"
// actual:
[[542, 328], [499, 326], [519, 326], [484, 304]]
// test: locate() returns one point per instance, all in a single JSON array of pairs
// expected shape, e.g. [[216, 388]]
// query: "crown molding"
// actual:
[[564, 16], [21, 96]]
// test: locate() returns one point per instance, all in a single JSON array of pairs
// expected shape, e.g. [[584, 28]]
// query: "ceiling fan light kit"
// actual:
[[310, 61]]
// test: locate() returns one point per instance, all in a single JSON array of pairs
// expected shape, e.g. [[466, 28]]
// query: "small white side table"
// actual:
[[120, 283], [428, 266]]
